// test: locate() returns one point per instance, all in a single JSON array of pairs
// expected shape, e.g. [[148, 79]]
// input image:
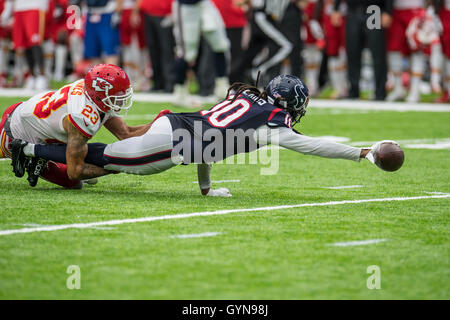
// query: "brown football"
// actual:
[[389, 157]]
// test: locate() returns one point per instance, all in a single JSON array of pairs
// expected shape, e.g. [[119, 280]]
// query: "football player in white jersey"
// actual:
[[397, 46], [70, 115]]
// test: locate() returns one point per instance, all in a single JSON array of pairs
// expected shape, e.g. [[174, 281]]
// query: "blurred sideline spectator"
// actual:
[[442, 8], [358, 36], [27, 35], [160, 42], [234, 17], [101, 38], [193, 19], [266, 15], [290, 26], [132, 44], [397, 46], [47, 39]]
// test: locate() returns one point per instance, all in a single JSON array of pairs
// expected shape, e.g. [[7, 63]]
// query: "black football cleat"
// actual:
[[19, 159], [34, 170]]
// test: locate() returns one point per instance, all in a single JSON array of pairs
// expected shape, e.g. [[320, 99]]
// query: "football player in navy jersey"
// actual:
[[176, 138]]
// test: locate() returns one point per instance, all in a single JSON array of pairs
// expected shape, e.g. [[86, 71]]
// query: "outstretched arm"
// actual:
[[289, 139], [121, 130]]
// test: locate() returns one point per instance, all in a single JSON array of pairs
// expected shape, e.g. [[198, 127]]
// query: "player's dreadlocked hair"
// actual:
[[239, 87]]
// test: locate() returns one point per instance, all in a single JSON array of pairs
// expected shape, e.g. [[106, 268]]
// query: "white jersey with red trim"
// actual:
[[25, 5], [408, 4], [40, 119]]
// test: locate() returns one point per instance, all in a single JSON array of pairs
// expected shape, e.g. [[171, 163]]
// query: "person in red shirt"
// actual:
[[5, 37], [235, 20], [159, 39], [443, 9]]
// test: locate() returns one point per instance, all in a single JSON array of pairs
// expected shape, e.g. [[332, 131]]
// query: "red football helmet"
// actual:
[[423, 32], [108, 86]]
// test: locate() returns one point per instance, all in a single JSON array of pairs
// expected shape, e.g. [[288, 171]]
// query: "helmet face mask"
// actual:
[[119, 103]]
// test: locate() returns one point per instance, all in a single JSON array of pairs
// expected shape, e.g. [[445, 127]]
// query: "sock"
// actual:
[[313, 59], [342, 74], [395, 66], [333, 69], [447, 75], [417, 69], [128, 63], [48, 48], [4, 54], [57, 153], [57, 173], [19, 67], [29, 150], [60, 60], [76, 49], [38, 57], [181, 67], [221, 64], [436, 61], [30, 60]]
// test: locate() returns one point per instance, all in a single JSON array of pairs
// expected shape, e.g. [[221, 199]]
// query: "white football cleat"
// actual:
[[181, 96], [221, 88], [397, 94], [30, 83], [41, 83], [413, 97]]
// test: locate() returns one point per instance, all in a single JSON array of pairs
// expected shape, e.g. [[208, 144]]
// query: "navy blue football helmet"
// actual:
[[290, 93]]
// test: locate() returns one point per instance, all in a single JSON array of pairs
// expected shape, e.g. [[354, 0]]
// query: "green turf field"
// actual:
[[287, 253]]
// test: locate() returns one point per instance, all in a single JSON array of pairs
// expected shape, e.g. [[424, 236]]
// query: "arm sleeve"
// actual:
[[287, 138], [203, 172]]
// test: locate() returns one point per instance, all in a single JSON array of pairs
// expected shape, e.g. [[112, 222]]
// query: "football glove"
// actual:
[[221, 192], [374, 149]]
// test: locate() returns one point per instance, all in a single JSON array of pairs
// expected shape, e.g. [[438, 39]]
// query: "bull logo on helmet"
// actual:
[[100, 84]]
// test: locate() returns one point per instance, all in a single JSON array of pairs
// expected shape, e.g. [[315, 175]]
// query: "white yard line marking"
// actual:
[[49, 225], [379, 105], [220, 181], [436, 146], [344, 187], [33, 225], [197, 235], [358, 243], [212, 213], [435, 192], [5, 159], [436, 141]]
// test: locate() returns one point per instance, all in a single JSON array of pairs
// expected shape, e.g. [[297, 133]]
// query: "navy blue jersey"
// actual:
[[189, 1], [244, 115]]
